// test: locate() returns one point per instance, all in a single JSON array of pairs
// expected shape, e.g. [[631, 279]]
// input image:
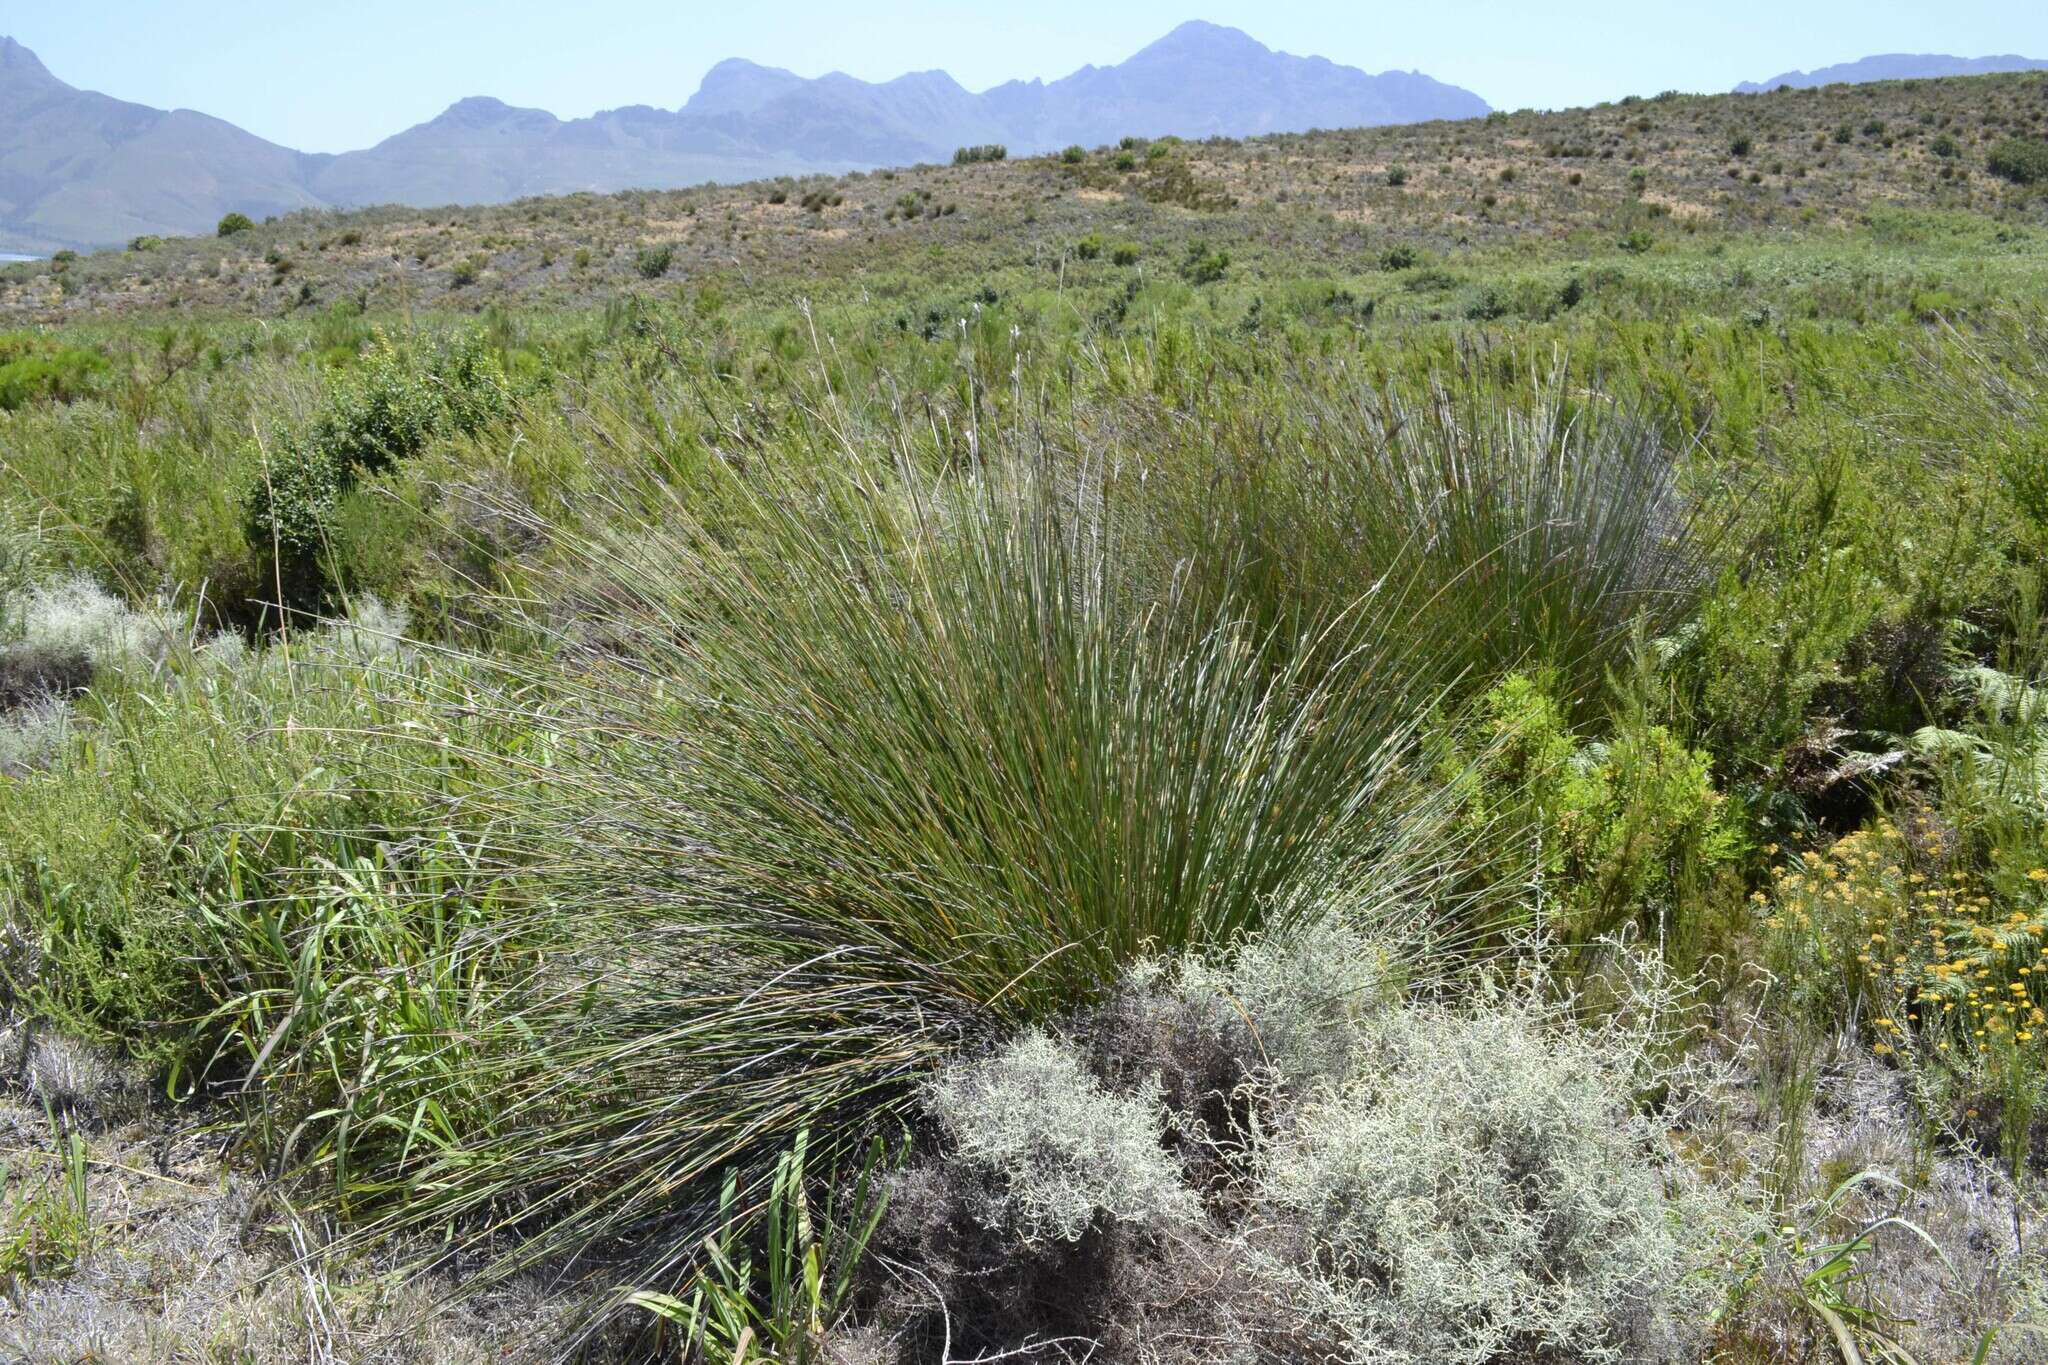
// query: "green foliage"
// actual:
[[289, 513], [233, 225], [1203, 264], [652, 262], [1074, 155], [34, 370], [151, 898], [1397, 176], [384, 411], [982, 658], [46, 1225], [800, 1288], [1630, 826], [984, 152], [2021, 160], [1831, 1271]]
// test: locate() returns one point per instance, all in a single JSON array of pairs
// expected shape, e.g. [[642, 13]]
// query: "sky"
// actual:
[[332, 76]]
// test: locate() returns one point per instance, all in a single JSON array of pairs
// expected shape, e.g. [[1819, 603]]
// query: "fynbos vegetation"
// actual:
[[1301, 750]]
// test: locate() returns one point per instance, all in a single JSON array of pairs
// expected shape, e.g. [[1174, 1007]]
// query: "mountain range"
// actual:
[[1894, 66], [82, 169]]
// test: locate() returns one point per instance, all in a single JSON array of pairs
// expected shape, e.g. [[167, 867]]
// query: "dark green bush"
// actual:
[[232, 224], [382, 413], [288, 513], [1203, 265], [988, 151], [2021, 160], [653, 261], [1074, 155]]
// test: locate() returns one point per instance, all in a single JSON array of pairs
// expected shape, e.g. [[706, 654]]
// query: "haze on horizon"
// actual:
[[335, 78]]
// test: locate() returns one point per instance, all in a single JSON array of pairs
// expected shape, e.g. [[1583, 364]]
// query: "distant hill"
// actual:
[[78, 168], [82, 169], [1895, 66]]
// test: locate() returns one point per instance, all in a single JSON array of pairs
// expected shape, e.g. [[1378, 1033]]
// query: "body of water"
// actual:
[[8, 257]]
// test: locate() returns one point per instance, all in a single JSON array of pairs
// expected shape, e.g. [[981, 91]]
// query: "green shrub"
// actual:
[[653, 261], [1397, 176], [1089, 247], [233, 224], [968, 156], [2023, 161], [381, 413], [33, 370], [1627, 827], [387, 408], [1074, 155], [146, 242], [1203, 264], [1125, 253], [288, 517]]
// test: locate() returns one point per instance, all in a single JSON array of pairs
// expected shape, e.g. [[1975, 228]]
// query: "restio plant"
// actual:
[[988, 647]]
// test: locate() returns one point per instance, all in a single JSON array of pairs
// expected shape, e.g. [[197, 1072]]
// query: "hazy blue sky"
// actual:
[[344, 73]]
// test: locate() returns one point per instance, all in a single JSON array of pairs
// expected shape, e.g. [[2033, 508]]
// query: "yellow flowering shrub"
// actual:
[[1943, 966]]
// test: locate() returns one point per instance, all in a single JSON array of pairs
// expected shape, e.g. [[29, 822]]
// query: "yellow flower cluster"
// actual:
[[1945, 967]]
